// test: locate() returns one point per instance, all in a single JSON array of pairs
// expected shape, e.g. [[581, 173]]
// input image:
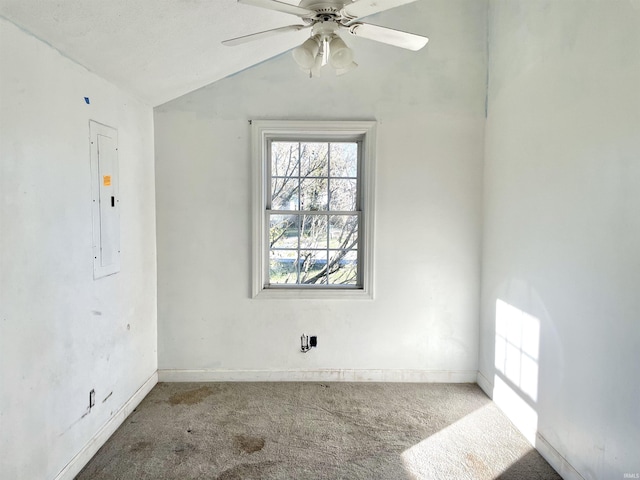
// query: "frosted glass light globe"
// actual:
[[305, 54]]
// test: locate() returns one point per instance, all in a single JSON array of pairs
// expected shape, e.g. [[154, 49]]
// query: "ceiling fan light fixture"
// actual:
[[326, 18], [347, 69], [340, 56], [317, 66], [305, 54]]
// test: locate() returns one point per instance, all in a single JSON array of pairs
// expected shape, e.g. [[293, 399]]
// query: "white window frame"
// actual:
[[262, 132]]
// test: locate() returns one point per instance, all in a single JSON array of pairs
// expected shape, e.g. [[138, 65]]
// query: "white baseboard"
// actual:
[[323, 375], [78, 462], [485, 384], [556, 460]]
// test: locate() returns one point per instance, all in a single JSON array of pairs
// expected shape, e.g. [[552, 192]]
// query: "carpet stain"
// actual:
[[190, 397], [478, 466], [140, 446], [245, 471], [249, 444], [183, 449]]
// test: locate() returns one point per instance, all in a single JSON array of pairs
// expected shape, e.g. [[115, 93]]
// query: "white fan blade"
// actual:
[[267, 33], [364, 8], [389, 36], [280, 7]]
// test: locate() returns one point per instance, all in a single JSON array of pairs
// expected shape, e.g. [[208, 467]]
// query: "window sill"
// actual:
[[313, 294]]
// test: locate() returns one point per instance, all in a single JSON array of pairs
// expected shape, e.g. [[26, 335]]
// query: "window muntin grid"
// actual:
[[313, 213]]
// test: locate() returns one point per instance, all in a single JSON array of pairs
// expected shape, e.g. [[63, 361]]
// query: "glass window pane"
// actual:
[[284, 193], [284, 159], [314, 159], [313, 194], [283, 231], [313, 267], [312, 207], [283, 266], [344, 159], [343, 231], [343, 267], [343, 194], [314, 231]]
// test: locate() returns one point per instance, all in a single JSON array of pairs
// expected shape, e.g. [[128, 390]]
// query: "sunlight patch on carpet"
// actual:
[[465, 450]]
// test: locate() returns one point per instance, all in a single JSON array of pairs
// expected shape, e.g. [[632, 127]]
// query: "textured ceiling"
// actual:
[[156, 49]]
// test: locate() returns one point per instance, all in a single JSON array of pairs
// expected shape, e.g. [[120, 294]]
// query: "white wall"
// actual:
[[560, 257], [423, 323], [61, 332], [562, 229]]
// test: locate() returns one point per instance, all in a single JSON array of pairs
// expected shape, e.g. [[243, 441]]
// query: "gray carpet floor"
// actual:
[[228, 431]]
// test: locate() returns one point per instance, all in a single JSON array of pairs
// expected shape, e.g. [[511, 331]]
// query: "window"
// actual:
[[313, 209]]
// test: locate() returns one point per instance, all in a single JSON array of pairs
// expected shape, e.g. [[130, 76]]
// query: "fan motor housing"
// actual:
[[325, 10]]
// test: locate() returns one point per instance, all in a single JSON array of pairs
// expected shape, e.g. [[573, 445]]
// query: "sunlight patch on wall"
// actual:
[[521, 413], [517, 346]]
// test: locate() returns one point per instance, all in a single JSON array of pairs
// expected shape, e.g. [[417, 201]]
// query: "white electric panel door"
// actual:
[[106, 201]]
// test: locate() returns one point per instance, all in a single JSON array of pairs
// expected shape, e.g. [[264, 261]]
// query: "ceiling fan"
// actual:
[[326, 18]]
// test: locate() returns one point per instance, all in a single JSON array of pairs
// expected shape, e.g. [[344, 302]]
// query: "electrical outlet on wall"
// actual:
[[307, 343]]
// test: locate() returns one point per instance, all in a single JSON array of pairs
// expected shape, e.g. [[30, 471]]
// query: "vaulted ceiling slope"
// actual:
[[156, 49]]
